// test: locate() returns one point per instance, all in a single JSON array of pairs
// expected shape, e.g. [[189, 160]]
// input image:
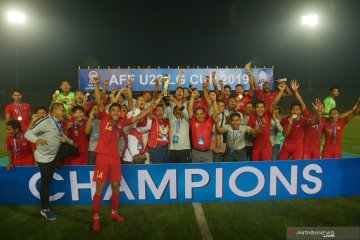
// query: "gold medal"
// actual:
[[76, 133], [294, 116], [63, 139], [19, 118]]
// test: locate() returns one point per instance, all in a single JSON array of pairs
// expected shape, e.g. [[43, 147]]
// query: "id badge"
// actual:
[[163, 138], [139, 146], [201, 141], [176, 138]]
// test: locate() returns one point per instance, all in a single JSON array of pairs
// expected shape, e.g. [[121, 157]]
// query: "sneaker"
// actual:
[[96, 224], [117, 217], [48, 214]]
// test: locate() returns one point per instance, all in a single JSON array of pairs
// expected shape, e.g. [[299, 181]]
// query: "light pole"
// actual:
[[311, 22], [16, 18]]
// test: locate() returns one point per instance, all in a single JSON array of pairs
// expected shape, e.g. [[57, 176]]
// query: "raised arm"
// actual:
[[277, 98], [287, 91], [129, 89], [253, 83], [206, 91], [191, 104], [104, 88], [156, 88], [355, 110], [88, 126], [295, 87], [146, 111], [213, 79], [180, 77], [98, 95]]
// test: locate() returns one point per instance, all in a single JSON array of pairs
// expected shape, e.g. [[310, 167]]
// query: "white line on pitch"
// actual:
[[202, 223]]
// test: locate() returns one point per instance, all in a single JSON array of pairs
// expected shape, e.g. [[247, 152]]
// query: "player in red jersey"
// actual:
[[76, 132], [18, 147], [265, 95], [108, 163], [334, 129], [18, 110], [262, 149], [294, 126]]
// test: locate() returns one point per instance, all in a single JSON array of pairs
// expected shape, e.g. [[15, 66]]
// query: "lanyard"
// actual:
[[177, 125], [258, 122], [17, 149], [115, 128], [222, 119], [18, 106], [75, 126], [59, 125], [333, 130]]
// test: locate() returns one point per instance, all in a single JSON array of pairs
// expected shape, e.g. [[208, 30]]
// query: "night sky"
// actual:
[[62, 35]]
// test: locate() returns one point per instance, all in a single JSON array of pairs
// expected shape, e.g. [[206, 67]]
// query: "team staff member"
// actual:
[[334, 129], [50, 142], [201, 130], [18, 147], [18, 110], [108, 163]]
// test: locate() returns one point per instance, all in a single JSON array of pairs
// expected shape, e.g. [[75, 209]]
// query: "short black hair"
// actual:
[[334, 109], [81, 108], [278, 107], [41, 108], [180, 88], [62, 81], [334, 87], [220, 100], [258, 102], [227, 86], [295, 104], [15, 124], [239, 85], [16, 90], [201, 109], [235, 114], [115, 104], [56, 106]]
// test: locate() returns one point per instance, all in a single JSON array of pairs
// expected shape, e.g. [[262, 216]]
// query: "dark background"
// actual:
[[60, 36]]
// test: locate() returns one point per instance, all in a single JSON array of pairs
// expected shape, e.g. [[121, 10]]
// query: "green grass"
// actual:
[[245, 220]]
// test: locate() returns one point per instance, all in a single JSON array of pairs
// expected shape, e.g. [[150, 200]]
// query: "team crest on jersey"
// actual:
[[197, 124]]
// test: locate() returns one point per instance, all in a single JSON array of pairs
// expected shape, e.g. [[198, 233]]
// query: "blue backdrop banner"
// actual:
[[144, 79], [186, 183]]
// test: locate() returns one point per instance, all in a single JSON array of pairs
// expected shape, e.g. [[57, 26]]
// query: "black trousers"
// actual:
[[180, 156], [47, 171]]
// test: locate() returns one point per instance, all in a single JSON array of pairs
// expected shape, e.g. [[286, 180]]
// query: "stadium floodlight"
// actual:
[[16, 17], [310, 20]]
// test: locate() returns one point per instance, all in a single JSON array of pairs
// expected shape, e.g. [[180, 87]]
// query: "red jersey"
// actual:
[[312, 134], [333, 133], [296, 134], [109, 134], [20, 112], [244, 100], [159, 132], [262, 139], [201, 133], [200, 103], [267, 98], [77, 134], [21, 149]]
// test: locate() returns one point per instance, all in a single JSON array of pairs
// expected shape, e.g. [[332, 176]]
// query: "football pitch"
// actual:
[[245, 220]]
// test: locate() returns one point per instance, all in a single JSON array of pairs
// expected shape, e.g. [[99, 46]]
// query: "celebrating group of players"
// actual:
[[184, 127]]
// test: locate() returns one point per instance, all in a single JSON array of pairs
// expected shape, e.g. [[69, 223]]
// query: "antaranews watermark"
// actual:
[[314, 233]]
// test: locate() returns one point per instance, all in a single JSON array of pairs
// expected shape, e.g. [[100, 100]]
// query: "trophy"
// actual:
[[165, 81]]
